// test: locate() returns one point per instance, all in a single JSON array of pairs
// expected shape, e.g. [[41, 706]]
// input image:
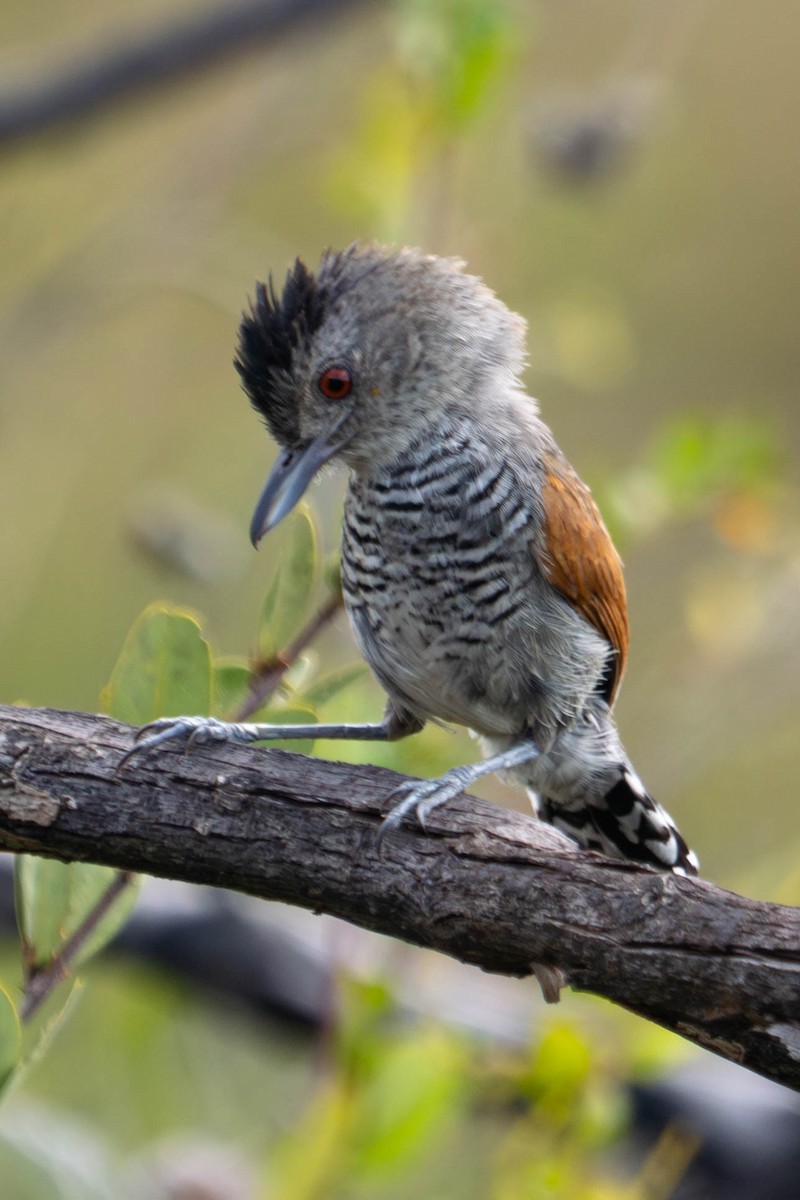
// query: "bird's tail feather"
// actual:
[[624, 823]]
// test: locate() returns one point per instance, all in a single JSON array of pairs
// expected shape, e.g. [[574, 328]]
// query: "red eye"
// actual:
[[335, 383]]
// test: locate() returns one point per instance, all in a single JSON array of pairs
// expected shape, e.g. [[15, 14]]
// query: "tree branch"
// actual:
[[485, 885], [102, 76]]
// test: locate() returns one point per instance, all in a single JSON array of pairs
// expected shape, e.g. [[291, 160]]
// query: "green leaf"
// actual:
[[115, 915], [53, 901], [332, 571], [232, 679], [459, 49], [10, 1039], [299, 675], [41, 888], [372, 178], [311, 1160], [366, 1008], [35, 1046], [560, 1067], [293, 583], [164, 669], [322, 690], [409, 1101], [698, 457], [481, 43]]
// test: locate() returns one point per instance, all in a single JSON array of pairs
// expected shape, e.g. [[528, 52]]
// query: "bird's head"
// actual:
[[360, 361]]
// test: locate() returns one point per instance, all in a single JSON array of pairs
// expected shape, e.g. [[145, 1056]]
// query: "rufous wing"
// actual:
[[581, 561]]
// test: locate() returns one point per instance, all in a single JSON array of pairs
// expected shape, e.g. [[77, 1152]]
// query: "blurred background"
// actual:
[[626, 176]]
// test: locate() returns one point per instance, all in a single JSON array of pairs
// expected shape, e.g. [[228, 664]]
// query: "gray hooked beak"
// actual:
[[291, 475]]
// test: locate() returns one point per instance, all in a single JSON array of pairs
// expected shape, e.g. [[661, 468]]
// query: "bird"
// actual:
[[481, 583]]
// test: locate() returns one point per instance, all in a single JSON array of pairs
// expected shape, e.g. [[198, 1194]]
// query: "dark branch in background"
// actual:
[[98, 78], [485, 885]]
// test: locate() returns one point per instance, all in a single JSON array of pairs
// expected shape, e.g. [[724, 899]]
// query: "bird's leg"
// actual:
[[422, 796], [396, 723]]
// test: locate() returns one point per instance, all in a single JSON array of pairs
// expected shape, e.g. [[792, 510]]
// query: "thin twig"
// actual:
[[42, 981], [268, 675]]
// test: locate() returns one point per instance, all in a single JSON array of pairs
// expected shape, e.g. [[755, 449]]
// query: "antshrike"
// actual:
[[481, 583]]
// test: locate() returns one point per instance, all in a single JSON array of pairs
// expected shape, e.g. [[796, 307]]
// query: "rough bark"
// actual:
[[484, 884]]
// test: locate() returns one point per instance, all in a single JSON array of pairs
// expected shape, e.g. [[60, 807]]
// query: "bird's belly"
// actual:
[[432, 648], [447, 602]]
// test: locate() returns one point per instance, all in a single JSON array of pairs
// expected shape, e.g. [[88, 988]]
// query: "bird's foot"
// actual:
[[189, 731], [422, 796], [201, 730]]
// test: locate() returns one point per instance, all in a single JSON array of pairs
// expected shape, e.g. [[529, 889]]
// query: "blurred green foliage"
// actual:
[[450, 64], [129, 463], [387, 1102], [391, 1094], [388, 1106], [10, 1038], [694, 468]]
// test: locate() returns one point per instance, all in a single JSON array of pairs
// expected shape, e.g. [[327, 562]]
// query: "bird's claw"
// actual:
[[191, 730], [421, 797]]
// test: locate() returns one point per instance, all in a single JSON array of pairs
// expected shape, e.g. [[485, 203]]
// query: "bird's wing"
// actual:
[[581, 562]]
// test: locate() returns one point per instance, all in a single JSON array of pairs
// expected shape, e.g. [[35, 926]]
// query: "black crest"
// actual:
[[268, 337]]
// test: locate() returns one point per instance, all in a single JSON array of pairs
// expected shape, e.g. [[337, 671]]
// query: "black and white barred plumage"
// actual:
[[445, 599]]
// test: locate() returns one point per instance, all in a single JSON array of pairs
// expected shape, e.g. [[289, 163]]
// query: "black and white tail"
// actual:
[[625, 823]]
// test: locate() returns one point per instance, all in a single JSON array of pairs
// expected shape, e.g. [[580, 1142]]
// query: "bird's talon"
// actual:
[[388, 824], [154, 733]]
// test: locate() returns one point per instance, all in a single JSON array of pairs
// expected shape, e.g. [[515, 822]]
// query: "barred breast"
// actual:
[[439, 582]]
